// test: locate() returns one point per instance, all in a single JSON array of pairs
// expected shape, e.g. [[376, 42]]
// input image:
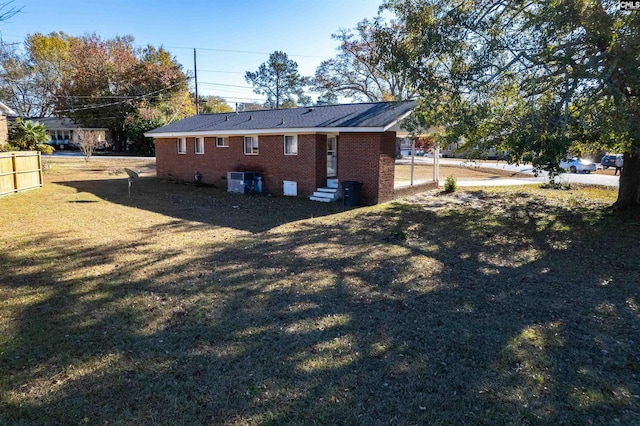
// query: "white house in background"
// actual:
[[64, 132], [491, 154], [4, 129]]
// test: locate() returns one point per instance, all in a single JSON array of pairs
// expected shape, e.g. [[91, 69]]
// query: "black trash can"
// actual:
[[351, 192]]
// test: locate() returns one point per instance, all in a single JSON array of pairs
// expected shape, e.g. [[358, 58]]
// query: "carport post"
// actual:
[[436, 163], [413, 157]]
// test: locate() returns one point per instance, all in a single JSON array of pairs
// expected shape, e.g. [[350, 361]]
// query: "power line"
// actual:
[[223, 72], [242, 98], [88, 107], [212, 49], [225, 85], [243, 51]]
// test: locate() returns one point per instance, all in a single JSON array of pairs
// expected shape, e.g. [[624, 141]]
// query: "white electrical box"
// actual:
[[290, 188]]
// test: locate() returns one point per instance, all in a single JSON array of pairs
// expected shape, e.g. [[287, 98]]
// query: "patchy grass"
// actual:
[[425, 172], [188, 305]]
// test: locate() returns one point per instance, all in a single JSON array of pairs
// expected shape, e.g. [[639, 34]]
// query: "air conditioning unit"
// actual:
[[240, 182]]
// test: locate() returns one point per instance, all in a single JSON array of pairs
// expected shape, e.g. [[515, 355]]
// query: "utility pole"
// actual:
[[195, 75]]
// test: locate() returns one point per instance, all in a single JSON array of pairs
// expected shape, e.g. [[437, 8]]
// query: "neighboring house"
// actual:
[[64, 132], [4, 129], [422, 144], [491, 154], [295, 151], [403, 147]]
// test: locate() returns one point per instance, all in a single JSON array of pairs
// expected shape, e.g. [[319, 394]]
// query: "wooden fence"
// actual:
[[20, 171]]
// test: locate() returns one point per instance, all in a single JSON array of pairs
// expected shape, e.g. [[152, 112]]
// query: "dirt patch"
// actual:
[[425, 172]]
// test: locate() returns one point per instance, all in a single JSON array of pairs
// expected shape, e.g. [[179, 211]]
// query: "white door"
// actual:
[[332, 156]]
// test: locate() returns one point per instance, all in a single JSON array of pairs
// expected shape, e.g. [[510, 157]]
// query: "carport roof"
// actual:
[[362, 117]]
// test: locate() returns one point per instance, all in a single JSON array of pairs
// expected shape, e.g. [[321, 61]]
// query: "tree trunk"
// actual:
[[117, 142], [119, 138], [629, 191]]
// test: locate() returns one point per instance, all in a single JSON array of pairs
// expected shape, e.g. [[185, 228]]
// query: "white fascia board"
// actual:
[[252, 132], [6, 110], [398, 120]]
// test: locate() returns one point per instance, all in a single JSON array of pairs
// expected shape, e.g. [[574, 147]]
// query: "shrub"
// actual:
[[450, 184], [27, 135], [42, 147], [45, 148]]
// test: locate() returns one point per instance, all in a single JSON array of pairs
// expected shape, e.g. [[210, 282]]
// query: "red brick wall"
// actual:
[[359, 160], [183, 166], [321, 160], [275, 167], [4, 130], [386, 168], [270, 163], [364, 157]]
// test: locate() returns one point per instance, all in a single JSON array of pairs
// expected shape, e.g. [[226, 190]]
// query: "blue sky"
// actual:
[[231, 37]]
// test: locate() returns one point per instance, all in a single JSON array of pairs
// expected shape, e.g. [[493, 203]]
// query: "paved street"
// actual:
[[98, 155], [590, 179]]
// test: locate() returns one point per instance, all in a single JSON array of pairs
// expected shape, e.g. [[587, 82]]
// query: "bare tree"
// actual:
[[365, 68], [7, 10], [88, 141]]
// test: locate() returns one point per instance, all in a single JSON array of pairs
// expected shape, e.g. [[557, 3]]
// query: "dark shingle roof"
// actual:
[[55, 123], [364, 116]]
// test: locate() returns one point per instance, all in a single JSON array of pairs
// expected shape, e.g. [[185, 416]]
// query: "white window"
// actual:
[[290, 145], [199, 145], [182, 146], [251, 145], [222, 142]]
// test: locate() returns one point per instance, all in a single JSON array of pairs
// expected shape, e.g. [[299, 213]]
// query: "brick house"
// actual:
[[295, 151], [63, 132], [4, 129]]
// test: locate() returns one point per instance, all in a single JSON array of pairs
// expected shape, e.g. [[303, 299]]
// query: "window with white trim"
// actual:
[[182, 145], [290, 144], [251, 145], [222, 142], [199, 145]]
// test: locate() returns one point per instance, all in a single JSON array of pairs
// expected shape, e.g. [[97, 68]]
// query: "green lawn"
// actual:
[[188, 305]]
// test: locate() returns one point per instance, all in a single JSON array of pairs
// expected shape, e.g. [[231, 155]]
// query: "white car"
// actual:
[[576, 165]]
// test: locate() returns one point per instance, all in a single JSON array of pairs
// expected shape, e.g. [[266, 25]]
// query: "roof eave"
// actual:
[[62, 128], [397, 120], [6, 110], [250, 132]]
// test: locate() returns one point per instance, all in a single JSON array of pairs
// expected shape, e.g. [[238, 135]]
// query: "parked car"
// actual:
[[576, 165], [609, 160]]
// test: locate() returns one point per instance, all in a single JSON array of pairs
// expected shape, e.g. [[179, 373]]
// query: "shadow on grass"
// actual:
[[209, 205], [495, 312]]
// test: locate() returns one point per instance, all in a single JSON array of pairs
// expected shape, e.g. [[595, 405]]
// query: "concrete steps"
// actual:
[[325, 195]]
